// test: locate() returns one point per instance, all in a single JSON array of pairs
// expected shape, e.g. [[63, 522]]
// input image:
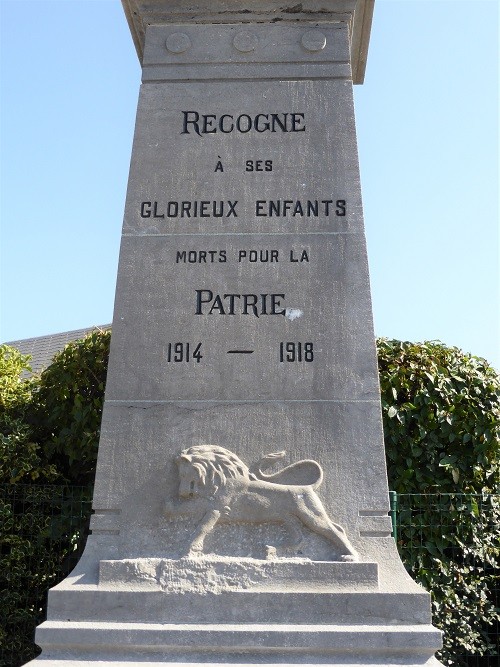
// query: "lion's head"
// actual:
[[207, 468]]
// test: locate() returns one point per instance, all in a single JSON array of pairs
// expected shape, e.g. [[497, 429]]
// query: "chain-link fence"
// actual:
[[42, 534], [450, 543]]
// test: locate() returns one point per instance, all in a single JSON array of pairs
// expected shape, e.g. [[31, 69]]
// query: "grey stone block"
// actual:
[[215, 575]]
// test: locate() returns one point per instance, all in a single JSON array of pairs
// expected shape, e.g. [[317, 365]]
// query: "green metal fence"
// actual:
[[450, 543], [42, 534]]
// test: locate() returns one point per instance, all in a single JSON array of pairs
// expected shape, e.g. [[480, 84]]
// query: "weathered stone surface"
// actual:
[[241, 501], [216, 575]]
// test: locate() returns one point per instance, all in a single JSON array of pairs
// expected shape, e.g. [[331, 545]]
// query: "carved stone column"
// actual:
[[241, 501]]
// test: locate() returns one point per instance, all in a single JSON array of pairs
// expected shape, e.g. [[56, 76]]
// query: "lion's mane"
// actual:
[[215, 465]]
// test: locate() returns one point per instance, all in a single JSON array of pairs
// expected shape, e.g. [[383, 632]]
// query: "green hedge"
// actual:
[[441, 412], [42, 534], [450, 544]]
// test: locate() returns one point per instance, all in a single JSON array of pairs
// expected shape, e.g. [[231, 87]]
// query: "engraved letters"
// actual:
[[195, 123], [310, 208], [190, 209], [264, 208], [208, 303], [166, 209]]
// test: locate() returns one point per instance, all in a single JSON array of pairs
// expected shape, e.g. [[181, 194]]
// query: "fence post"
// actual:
[[393, 501]]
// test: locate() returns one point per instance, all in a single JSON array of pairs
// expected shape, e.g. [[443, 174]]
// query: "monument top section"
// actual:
[[358, 13]]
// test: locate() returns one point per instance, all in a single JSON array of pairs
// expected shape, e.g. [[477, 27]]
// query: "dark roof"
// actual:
[[43, 348]]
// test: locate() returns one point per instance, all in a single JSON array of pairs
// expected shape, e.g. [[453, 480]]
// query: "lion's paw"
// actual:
[[349, 558], [271, 553], [194, 553]]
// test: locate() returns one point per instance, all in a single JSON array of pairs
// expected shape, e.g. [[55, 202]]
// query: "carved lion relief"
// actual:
[[216, 485]]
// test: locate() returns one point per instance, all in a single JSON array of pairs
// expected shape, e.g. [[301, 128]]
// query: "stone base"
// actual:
[[212, 574], [235, 611], [240, 644], [373, 662]]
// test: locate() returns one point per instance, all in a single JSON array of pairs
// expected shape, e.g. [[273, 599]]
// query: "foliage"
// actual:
[[41, 538], [450, 544], [15, 391], [49, 431], [21, 459], [441, 411], [68, 406]]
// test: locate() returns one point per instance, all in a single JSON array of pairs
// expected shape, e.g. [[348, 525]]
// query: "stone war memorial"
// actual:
[[241, 499]]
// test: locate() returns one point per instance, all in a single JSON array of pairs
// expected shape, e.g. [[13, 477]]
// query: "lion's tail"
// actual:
[[266, 462], [302, 473]]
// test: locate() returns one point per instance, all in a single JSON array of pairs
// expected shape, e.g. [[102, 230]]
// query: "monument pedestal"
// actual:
[[236, 611], [241, 501]]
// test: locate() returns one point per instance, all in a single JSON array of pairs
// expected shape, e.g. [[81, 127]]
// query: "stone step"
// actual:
[[88, 602], [258, 639], [277, 661]]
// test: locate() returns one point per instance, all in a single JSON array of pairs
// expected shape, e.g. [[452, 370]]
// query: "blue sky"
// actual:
[[427, 120]]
